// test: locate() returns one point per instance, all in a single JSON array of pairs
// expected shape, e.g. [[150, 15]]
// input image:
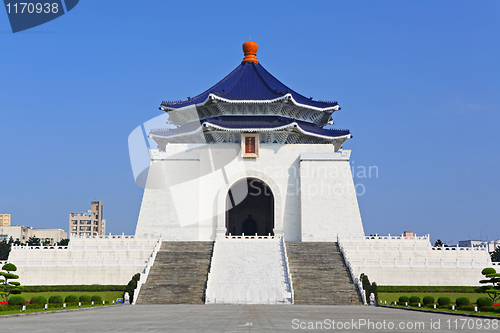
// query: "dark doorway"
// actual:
[[250, 208]]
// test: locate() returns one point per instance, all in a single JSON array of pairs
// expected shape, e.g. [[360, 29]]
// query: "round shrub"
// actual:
[[38, 300], [444, 301], [71, 299], [428, 300], [17, 300], [97, 299], [414, 299], [56, 299], [85, 299], [484, 301], [403, 300], [462, 301]]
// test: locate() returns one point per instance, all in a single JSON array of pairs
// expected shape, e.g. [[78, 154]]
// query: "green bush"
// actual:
[[429, 305], [414, 299], [56, 299], [71, 299], [489, 308], [484, 301], [10, 307], [444, 301], [85, 299], [38, 300], [414, 305], [17, 300], [97, 299], [466, 307], [461, 301], [35, 306], [445, 306], [403, 300], [428, 300]]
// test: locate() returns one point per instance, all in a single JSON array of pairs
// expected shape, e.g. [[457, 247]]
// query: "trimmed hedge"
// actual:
[[97, 299], [444, 301], [38, 300], [85, 299], [71, 299], [81, 288], [414, 299], [466, 307], [426, 289], [55, 299], [490, 309], [484, 301], [445, 306], [17, 300], [428, 300], [461, 301]]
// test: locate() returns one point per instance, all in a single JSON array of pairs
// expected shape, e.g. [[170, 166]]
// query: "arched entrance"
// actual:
[[250, 208]]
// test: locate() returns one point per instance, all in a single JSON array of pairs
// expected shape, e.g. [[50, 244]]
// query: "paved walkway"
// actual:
[[242, 318]]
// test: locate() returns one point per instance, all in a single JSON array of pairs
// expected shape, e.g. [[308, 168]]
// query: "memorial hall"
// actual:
[[250, 199]]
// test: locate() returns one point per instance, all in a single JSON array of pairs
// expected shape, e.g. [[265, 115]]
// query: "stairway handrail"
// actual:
[[351, 271], [287, 262], [145, 272]]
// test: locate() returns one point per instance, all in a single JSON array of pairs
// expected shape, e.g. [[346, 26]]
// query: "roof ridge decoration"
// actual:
[[250, 82]]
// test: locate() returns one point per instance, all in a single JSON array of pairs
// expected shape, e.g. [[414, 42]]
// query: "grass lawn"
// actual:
[[491, 314], [2, 313], [107, 296], [392, 297]]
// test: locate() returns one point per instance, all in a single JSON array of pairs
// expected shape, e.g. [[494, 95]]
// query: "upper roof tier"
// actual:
[[250, 81]]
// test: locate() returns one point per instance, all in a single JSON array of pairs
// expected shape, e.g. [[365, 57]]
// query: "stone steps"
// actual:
[[319, 274], [179, 274], [248, 271]]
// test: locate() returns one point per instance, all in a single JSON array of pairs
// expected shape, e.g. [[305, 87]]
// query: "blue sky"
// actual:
[[418, 83]]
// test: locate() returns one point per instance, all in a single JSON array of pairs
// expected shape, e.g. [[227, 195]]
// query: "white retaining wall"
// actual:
[[103, 260], [389, 260]]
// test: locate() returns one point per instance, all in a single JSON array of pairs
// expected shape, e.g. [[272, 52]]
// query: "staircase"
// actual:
[[179, 274], [248, 271], [319, 274]]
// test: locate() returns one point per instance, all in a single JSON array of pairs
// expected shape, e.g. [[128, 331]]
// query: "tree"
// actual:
[[438, 243], [34, 241], [492, 290], [63, 242], [4, 250], [365, 282], [495, 255], [9, 287]]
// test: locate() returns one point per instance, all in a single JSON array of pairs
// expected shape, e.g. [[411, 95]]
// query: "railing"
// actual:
[[409, 247], [389, 237], [28, 247], [79, 263], [289, 275], [145, 272], [422, 263], [243, 236], [355, 280], [110, 236]]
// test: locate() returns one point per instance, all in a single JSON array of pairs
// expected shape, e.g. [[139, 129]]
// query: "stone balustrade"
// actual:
[[145, 272]]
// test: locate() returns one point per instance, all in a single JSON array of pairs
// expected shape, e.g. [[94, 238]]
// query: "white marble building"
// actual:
[[250, 156]]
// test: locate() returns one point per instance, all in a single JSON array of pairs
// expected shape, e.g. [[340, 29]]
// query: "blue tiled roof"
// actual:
[[250, 81], [252, 122]]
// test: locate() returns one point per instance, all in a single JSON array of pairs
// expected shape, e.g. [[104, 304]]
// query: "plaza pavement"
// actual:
[[238, 318]]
